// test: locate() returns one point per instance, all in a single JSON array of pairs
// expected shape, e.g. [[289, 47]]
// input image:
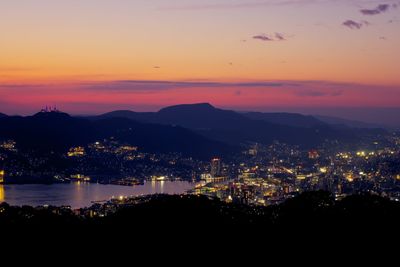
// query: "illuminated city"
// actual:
[[284, 114], [256, 174]]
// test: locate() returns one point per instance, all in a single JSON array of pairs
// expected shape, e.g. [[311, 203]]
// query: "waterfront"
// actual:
[[79, 195]]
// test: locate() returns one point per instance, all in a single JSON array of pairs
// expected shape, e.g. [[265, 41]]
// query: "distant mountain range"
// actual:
[[2, 115], [289, 119], [348, 123], [234, 128], [197, 130]]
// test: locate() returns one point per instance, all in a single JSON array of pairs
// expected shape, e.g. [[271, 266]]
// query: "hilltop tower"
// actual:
[[2, 173], [49, 109]]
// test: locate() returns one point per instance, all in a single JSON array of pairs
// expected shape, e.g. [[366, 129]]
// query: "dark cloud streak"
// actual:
[[263, 37], [318, 93], [382, 8], [351, 24], [280, 36], [138, 85], [270, 38]]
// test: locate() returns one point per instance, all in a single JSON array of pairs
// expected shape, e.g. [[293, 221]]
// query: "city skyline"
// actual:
[[312, 57]]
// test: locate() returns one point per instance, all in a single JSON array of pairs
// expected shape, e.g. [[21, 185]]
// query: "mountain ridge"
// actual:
[[46, 132], [285, 118], [348, 123], [234, 128], [192, 129]]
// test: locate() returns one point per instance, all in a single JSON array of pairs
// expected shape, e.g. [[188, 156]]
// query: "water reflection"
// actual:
[[79, 195], [157, 187], [2, 193], [161, 187]]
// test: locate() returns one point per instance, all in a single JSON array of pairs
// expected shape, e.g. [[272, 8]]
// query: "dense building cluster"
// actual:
[[271, 174], [260, 175], [105, 161]]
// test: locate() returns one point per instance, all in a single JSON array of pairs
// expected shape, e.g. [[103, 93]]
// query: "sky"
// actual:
[[93, 56]]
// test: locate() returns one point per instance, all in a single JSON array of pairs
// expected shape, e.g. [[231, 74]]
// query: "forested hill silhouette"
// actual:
[[234, 128], [290, 119], [347, 123], [311, 211], [57, 131], [198, 130]]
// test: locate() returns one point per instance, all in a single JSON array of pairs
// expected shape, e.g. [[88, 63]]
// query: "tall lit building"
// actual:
[[216, 168], [2, 176]]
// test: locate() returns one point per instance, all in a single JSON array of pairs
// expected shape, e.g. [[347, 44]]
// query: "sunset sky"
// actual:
[[92, 56]]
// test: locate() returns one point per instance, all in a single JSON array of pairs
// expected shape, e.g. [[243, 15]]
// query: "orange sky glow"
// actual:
[[93, 56]]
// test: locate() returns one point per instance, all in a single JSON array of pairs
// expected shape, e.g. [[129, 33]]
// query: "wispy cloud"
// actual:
[[263, 37], [382, 8], [156, 85], [93, 96], [319, 93], [16, 86], [270, 37], [354, 25], [311, 89], [280, 36], [297, 87]]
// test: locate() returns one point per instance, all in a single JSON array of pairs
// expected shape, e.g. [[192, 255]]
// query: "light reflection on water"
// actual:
[[158, 186], [2, 194], [79, 195]]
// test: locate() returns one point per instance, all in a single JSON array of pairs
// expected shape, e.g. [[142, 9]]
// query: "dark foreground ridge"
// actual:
[[310, 210], [49, 132]]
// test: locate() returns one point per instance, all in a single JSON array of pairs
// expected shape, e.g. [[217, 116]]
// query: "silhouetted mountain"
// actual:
[[233, 127], [310, 210], [202, 116], [193, 116], [53, 115], [55, 131], [2, 115], [348, 123], [46, 131], [128, 114], [289, 119], [200, 107]]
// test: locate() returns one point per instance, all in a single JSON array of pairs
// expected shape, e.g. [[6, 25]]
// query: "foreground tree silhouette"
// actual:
[[310, 210]]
